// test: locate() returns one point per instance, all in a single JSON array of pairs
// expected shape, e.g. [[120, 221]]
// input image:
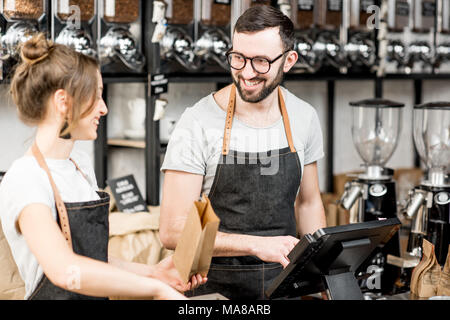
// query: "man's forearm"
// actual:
[[310, 218], [231, 244]]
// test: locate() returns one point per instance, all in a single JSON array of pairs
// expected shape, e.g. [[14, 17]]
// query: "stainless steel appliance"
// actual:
[[429, 203], [329, 40], [442, 51], [178, 43], [19, 20], [394, 37], [360, 47], [214, 34], [74, 23], [420, 54], [301, 13], [119, 34], [376, 125]]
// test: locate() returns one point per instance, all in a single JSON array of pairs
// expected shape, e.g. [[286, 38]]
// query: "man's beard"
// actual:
[[266, 90]]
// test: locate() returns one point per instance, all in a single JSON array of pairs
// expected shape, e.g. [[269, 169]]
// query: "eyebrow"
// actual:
[[261, 56]]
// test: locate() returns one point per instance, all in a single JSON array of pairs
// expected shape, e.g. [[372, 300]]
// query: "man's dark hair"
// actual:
[[261, 17]]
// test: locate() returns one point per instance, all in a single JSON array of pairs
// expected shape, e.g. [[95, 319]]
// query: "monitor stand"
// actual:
[[343, 286]]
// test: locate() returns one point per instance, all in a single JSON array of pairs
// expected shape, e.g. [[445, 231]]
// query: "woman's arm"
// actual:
[[165, 271], [77, 273]]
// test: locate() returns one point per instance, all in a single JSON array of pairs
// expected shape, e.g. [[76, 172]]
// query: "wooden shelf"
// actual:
[[128, 143], [132, 143]]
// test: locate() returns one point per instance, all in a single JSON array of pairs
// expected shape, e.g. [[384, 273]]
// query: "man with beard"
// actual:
[[255, 155]]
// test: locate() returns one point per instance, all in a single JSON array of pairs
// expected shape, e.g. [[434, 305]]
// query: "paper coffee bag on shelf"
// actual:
[[444, 282], [426, 275]]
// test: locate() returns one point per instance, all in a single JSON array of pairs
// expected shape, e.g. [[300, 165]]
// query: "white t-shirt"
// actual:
[[26, 183], [196, 142]]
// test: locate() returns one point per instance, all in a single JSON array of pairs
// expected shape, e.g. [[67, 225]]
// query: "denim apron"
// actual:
[[253, 194], [85, 226]]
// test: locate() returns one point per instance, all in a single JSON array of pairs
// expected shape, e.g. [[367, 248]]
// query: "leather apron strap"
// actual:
[[60, 206], [230, 115]]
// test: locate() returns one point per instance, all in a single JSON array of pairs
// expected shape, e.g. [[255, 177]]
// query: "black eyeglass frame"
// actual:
[[227, 54]]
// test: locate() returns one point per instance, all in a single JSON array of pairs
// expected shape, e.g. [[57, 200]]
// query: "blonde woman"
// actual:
[[52, 214]]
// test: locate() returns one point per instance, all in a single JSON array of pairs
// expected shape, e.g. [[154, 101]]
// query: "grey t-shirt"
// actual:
[[196, 143]]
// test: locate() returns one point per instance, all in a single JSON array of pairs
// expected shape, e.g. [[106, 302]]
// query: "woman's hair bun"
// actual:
[[35, 49]]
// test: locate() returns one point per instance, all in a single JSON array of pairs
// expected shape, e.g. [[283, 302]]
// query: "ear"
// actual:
[[291, 59], [60, 102]]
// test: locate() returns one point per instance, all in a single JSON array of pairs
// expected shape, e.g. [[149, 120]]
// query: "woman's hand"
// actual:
[[165, 271], [165, 292]]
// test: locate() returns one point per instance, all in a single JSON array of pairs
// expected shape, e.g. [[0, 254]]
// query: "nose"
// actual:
[[103, 108], [248, 72]]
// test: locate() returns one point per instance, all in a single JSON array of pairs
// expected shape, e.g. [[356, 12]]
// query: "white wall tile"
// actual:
[[315, 93], [402, 91], [345, 157]]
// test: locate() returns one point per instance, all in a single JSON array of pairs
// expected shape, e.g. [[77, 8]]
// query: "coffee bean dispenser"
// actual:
[[120, 44], [74, 23], [214, 31], [301, 13], [360, 46], [178, 43], [328, 45], [420, 53], [394, 53], [19, 20], [442, 52]]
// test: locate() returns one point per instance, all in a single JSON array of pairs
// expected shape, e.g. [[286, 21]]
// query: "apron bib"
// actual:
[[86, 228], [254, 194]]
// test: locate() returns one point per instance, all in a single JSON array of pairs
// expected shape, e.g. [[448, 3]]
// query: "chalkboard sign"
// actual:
[[127, 195]]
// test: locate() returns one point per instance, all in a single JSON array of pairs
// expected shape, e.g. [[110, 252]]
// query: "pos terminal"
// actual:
[[328, 259]]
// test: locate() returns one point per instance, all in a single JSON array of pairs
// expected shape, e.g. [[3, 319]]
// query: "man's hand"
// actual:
[[165, 271], [274, 249]]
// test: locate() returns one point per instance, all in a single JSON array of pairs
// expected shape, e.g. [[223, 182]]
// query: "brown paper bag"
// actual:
[[427, 248], [332, 214], [11, 284], [195, 247], [444, 282], [425, 277], [329, 201], [343, 216]]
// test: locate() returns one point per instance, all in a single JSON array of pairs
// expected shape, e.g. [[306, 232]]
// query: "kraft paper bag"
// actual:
[[444, 282], [426, 275], [11, 284], [195, 247]]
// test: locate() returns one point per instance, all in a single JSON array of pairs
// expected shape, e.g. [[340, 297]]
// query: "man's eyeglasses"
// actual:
[[261, 65]]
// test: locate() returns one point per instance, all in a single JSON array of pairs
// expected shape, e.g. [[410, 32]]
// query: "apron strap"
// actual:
[[60, 206], [229, 120], [81, 171], [287, 125], [230, 115]]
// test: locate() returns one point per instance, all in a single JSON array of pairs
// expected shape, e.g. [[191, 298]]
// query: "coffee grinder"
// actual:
[[429, 203], [376, 126]]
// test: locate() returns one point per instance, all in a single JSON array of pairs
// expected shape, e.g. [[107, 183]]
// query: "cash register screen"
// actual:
[[329, 251]]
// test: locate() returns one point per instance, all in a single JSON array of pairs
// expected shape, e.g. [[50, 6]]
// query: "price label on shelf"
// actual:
[[10, 5], [110, 8], [64, 7], [158, 84]]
